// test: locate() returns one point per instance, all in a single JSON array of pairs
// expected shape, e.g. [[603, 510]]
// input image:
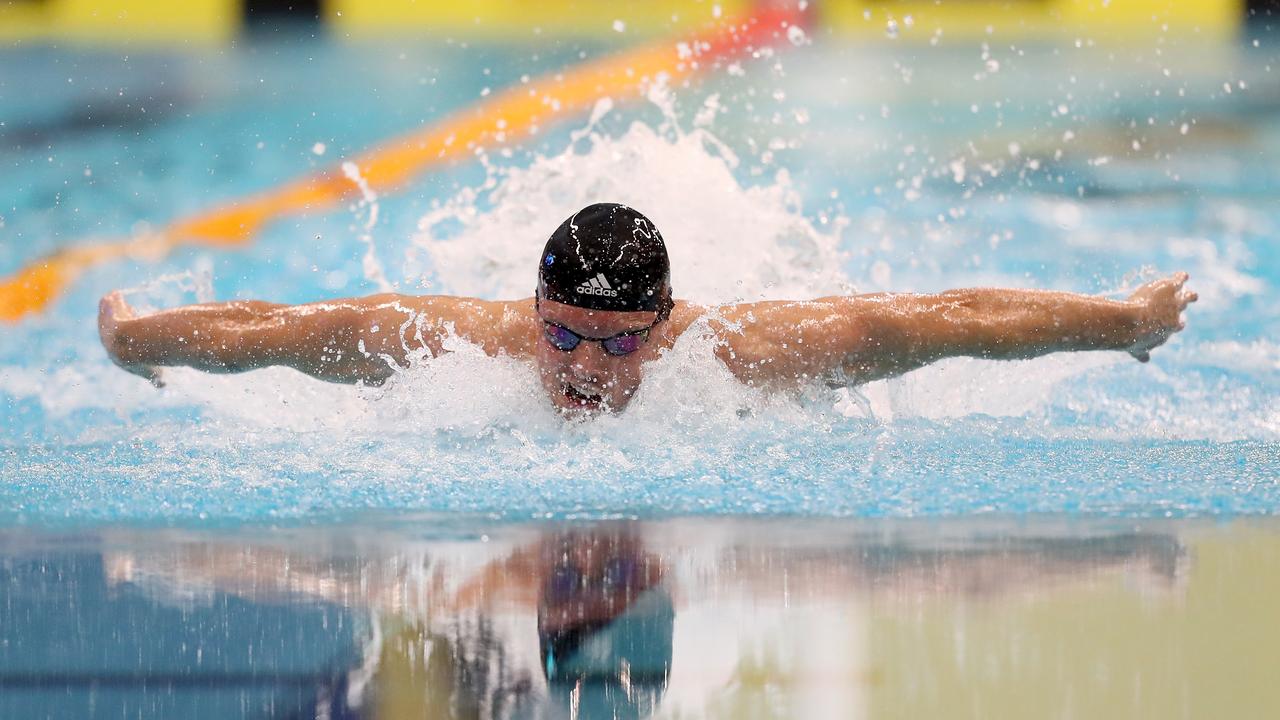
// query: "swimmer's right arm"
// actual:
[[347, 341]]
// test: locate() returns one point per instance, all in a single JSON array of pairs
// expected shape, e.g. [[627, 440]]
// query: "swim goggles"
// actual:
[[569, 584], [618, 345]]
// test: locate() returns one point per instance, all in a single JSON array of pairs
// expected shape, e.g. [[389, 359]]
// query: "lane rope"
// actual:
[[505, 117]]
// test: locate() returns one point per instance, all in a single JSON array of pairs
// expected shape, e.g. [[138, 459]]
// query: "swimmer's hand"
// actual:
[[112, 312], [1159, 304]]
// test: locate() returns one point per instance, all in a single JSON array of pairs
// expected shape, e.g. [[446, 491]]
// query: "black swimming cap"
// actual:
[[607, 257], [618, 668]]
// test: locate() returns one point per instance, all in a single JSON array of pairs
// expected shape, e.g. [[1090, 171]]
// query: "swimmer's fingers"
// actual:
[[1163, 289], [1143, 353], [154, 376], [149, 373], [1141, 350], [1153, 338], [1160, 304], [112, 310], [1183, 297]]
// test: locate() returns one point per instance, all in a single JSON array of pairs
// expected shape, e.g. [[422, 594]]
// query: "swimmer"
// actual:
[[603, 308]]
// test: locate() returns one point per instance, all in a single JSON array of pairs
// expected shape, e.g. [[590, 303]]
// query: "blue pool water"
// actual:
[[826, 168]]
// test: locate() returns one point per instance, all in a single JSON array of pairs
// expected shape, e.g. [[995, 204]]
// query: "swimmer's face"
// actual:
[[592, 577], [588, 379]]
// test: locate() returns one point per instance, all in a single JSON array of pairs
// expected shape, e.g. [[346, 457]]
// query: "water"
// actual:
[[980, 538], [426, 616], [792, 176]]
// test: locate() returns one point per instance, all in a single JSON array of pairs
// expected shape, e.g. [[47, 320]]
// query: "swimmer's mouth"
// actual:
[[581, 400]]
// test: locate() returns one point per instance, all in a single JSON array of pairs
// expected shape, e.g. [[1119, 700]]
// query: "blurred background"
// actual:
[[140, 21]]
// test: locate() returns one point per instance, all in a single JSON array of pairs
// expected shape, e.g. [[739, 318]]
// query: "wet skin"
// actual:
[[587, 378], [844, 340]]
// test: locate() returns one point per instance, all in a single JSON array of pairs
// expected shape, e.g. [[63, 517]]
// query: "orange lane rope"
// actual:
[[507, 116]]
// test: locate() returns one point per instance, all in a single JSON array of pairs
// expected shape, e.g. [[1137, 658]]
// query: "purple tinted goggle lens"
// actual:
[[623, 344], [567, 582]]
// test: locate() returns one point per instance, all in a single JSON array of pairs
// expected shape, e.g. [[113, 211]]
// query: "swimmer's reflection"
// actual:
[[604, 625], [582, 622], [574, 623]]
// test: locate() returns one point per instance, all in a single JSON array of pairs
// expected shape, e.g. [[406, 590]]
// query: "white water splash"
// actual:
[[373, 270], [727, 242], [195, 285]]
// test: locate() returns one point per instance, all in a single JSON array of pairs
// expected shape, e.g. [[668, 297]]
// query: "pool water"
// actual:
[[1079, 532], [826, 168]]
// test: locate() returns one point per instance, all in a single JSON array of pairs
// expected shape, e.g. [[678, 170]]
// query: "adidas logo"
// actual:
[[597, 285]]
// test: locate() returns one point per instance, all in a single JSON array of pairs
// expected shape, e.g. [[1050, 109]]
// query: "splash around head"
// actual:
[[604, 283]]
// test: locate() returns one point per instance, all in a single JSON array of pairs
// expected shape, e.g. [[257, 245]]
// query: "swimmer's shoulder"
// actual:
[[498, 326], [684, 314], [518, 325], [507, 326]]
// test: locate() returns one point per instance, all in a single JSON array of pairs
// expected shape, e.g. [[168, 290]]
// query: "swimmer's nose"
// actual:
[[590, 363]]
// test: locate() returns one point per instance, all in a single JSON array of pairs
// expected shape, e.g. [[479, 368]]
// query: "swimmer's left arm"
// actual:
[[868, 337]]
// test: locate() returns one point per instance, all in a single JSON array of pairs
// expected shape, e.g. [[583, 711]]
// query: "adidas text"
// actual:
[[597, 285]]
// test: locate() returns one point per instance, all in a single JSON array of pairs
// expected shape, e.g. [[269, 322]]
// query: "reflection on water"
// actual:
[[759, 619]]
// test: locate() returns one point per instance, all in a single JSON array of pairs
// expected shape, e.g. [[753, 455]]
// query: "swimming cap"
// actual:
[[618, 668], [607, 257]]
